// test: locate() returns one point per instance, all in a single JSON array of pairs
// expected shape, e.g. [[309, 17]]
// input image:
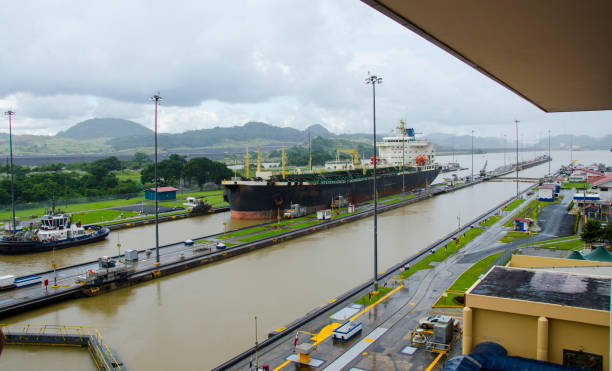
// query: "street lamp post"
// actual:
[[472, 178], [156, 98], [403, 157], [549, 152], [505, 137], [517, 161], [373, 79], [10, 114]]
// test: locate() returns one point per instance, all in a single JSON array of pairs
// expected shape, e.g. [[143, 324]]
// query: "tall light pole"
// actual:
[[505, 137], [373, 79], [10, 114], [472, 178], [549, 152], [517, 161], [156, 98], [403, 152]]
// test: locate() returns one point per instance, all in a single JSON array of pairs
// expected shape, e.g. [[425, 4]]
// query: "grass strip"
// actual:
[[304, 224], [449, 301], [515, 235], [470, 276], [98, 216], [382, 291], [442, 253], [490, 221], [513, 205], [260, 236], [243, 232]]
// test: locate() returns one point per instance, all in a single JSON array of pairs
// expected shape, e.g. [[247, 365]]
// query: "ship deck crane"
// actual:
[[352, 152], [483, 171]]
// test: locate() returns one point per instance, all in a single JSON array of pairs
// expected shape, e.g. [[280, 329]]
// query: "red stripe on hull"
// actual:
[[261, 214]]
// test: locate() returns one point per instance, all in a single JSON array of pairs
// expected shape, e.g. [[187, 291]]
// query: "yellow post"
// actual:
[[304, 358], [246, 161], [542, 340], [283, 160], [363, 162], [467, 330], [258, 159]]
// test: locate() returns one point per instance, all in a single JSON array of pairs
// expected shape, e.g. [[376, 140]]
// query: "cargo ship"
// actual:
[[268, 195]]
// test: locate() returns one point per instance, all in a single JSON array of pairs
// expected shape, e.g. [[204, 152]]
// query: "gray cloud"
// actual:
[[292, 63]]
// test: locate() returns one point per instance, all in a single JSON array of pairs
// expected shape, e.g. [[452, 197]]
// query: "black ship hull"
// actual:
[[266, 201], [8, 247]]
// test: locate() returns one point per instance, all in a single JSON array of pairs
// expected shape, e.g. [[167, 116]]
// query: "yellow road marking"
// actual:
[[332, 300], [412, 303], [324, 333], [435, 361], [281, 329], [282, 365], [327, 330], [368, 340], [376, 302]]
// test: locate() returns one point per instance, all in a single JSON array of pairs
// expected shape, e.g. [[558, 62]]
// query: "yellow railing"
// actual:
[[100, 353]]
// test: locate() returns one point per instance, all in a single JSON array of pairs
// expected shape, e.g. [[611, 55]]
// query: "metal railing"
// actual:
[[57, 335]]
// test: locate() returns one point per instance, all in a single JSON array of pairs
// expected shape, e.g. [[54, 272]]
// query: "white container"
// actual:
[[7, 281], [131, 255]]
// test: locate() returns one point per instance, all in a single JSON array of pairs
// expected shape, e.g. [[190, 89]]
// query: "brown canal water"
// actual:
[[197, 319]]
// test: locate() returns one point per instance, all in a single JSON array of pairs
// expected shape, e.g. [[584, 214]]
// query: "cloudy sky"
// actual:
[[288, 63]]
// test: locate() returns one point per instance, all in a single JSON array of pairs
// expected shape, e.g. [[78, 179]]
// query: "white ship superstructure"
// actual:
[[416, 152]]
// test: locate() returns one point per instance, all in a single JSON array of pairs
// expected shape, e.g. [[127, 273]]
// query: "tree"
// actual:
[[591, 231], [203, 170], [139, 160], [100, 168], [168, 171], [606, 233]]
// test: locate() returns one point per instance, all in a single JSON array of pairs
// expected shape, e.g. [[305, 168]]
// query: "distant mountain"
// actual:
[[251, 131], [104, 128]]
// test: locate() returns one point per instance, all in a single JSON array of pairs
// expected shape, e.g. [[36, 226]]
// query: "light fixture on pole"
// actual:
[[472, 178], [10, 114], [156, 98], [549, 159], [373, 79], [505, 137], [517, 160]]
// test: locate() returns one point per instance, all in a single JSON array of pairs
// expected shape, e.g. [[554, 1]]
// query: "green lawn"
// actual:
[[263, 235], [98, 216], [568, 185], [490, 221], [442, 253], [513, 205], [531, 211], [304, 224], [244, 232], [576, 244], [469, 277], [382, 291], [515, 235], [447, 301]]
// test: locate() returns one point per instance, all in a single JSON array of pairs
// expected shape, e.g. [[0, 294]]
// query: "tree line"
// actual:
[[99, 178]]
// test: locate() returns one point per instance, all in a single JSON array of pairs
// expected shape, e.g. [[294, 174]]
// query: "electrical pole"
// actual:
[[156, 98], [373, 79], [10, 114], [517, 160], [505, 137], [403, 156], [549, 152], [472, 178]]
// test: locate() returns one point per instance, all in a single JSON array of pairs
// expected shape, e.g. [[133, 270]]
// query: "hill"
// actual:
[[104, 128]]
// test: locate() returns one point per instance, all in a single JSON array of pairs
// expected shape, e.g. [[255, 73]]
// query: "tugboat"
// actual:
[[55, 232]]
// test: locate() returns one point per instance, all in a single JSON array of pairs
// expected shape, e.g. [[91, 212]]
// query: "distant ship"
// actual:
[[268, 195], [55, 232]]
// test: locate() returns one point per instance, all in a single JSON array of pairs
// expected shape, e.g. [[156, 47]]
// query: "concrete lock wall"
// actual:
[[577, 336], [515, 332]]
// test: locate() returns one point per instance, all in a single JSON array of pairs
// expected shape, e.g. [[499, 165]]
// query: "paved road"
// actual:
[[397, 315]]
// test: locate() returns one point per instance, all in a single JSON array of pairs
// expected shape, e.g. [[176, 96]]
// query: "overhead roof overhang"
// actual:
[[557, 54]]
